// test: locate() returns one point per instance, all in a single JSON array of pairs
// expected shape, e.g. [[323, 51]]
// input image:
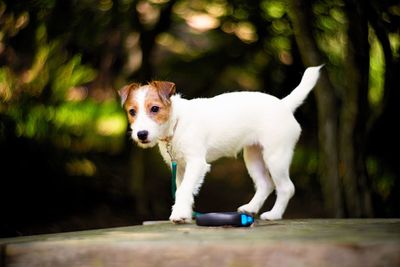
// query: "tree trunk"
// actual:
[[353, 117], [148, 37], [299, 13]]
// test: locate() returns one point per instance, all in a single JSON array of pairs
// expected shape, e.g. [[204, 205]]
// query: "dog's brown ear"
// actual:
[[124, 91], [165, 89]]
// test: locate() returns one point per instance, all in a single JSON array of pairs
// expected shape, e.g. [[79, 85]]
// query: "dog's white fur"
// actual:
[[203, 130]]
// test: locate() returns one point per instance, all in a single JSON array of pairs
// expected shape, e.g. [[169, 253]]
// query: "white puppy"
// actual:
[[197, 132]]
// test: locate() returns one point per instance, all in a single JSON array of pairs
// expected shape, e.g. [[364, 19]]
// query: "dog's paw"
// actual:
[[270, 216], [181, 215], [249, 209]]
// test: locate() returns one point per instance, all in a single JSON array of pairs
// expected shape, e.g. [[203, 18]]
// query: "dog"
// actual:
[[196, 132]]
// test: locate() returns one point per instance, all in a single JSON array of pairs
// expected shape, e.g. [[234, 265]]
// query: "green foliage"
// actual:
[[383, 181], [274, 9], [331, 36], [6, 84], [48, 102], [377, 72], [69, 75]]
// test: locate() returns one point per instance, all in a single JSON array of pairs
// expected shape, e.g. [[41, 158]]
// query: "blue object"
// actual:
[[246, 219], [235, 219]]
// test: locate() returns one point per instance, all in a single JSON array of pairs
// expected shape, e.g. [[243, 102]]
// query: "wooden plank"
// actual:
[[323, 242]]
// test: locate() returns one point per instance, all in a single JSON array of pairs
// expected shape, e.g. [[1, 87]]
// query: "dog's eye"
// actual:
[[155, 109], [132, 112]]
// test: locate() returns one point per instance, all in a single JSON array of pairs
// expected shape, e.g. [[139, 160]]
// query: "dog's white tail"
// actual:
[[297, 96]]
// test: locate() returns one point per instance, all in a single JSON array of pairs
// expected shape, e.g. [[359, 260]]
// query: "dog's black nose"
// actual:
[[142, 135]]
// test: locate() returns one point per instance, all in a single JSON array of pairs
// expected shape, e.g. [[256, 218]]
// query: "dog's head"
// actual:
[[149, 110]]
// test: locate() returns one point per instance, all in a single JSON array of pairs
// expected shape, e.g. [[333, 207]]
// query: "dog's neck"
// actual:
[[174, 118]]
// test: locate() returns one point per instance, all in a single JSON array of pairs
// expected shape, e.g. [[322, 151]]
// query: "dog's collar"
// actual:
[[168, 140]]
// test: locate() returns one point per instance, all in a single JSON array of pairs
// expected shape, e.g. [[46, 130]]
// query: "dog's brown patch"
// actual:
[[126, 90], [128, 100], [156, 98], [164, 89]]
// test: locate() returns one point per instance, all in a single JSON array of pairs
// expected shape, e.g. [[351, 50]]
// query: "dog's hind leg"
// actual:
[[278, 164], [257, 170]]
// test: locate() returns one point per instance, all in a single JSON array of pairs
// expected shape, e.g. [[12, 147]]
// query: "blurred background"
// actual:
[[66, 160]]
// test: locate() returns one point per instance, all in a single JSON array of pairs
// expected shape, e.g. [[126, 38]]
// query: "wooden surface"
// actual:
[[323, 242]]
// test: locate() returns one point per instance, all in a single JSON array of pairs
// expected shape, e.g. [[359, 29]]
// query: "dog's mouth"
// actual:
[[145, 143]]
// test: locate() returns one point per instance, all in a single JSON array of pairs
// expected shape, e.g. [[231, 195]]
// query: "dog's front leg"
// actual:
[[195, 170]]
